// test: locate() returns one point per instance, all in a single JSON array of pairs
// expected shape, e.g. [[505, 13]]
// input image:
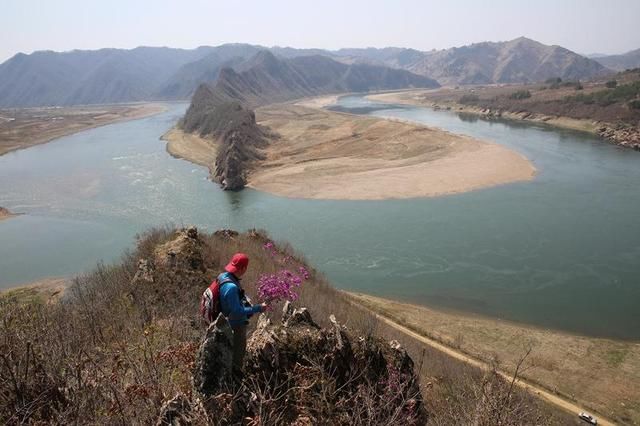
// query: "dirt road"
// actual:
[[535, 390]]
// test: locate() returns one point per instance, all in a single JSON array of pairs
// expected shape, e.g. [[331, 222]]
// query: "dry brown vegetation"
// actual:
[[112, 349], [598, 106], [599, 373], [593, 101], [22, 128]]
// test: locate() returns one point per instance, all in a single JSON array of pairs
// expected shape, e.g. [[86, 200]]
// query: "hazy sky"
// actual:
[[585, 26]]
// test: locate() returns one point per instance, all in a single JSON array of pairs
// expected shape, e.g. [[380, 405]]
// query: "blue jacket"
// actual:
[[230, 303]]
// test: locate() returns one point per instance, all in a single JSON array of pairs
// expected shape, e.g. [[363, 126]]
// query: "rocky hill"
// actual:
[[224, 109], [266, 78], [125, 344], [517, 61], [626, 61], [141, 352], [364, 380]]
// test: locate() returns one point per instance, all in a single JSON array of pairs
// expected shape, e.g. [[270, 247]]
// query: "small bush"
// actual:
[[611, 84], [469, 99], [626, 92], [634, 104], [520, 94]]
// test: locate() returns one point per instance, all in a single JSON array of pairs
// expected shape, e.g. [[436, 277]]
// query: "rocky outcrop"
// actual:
[[213, 370], [240, 149], [226, 233], [300, 373], [621, 134], [173, 271], [626, 136], [216, 114], [184, 252]]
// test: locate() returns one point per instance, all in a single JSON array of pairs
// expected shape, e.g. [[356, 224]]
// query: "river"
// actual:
[[561, 251]]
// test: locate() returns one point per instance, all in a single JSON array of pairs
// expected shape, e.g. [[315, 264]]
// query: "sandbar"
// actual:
[[328, 155]]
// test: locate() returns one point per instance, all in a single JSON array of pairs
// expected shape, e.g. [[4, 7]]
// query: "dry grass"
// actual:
[[599, 373], [113, 349], [555, 106]]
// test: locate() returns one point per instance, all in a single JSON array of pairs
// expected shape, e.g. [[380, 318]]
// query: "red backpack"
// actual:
[[210, 301]]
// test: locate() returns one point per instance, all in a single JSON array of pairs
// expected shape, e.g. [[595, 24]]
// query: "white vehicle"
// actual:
[[588, 418]]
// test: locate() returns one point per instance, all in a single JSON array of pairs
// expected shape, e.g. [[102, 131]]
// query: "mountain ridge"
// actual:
[[628, 60], [47, 78]]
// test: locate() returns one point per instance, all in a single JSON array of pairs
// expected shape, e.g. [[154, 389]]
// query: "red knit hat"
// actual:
[[239, 262]]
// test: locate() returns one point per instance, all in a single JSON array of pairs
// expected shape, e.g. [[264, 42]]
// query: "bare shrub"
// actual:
[[113, 349]]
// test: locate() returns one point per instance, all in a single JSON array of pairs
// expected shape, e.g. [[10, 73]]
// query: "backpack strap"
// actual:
[[226, 281], [223, 282]]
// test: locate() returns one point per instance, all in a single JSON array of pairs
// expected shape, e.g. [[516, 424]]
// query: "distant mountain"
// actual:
[[112, 75], [265, 78], [517, 61], [594, 55], [160, 73], [89, 77], [622, 62]]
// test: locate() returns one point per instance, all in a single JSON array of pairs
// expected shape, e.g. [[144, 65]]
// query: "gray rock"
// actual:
[[213, 368], [287, 311], [192, 232], [300, 317], [144, 272]]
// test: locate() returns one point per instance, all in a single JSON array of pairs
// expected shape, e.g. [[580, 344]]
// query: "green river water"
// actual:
[[561, 251]]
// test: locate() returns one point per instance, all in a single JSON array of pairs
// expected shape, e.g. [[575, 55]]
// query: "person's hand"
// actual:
[[263, 307]]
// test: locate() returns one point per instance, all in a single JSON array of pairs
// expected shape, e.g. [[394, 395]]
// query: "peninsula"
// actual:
[[264, 140]]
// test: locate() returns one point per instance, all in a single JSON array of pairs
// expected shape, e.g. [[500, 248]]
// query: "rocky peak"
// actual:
[[301, 373]]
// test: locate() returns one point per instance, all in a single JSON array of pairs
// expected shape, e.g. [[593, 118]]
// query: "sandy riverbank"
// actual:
[[599, 373], [46, 289], [318, 101], [422, 98], [328, 155], [191, 147], [26, 127]]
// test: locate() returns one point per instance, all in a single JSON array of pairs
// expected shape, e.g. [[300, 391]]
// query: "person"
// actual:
[[235, 306]]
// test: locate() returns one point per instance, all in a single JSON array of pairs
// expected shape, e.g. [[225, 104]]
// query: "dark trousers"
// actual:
[[239, 346]]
